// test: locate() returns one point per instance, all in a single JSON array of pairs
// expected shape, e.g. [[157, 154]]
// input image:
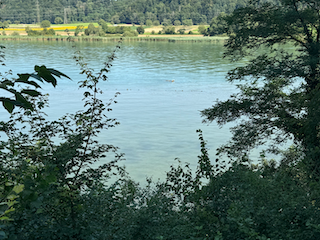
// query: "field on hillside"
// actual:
[[61, 28]]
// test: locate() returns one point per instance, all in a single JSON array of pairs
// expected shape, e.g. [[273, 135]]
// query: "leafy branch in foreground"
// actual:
[[41, 74], [55, 160]]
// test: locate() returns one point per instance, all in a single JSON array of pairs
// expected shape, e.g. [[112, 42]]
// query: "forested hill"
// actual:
[[124, 11]]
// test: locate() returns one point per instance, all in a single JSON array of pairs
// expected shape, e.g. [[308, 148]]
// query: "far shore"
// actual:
[[169, 38]]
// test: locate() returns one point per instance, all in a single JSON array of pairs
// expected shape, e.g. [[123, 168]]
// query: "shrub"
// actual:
[[153, 32], [4, 24], [130, 33], [45, 24], [44, 32], [156, 23], [101, 22], [187, 22], [78, 30], [140, 30], [202, 29], [169, 30], [15, 33], [181, 31], [149, 23], [166, 22], [58, 20], [176, 23], [91, 30], [55, 177]]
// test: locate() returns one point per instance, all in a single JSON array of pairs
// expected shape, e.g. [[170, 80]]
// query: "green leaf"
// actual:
[[19, 188], [32, 93], [24, 79], [45, 74], [57, 73], [8, 106]]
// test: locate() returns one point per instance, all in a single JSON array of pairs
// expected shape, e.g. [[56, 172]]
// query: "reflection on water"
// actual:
[[159, 118]]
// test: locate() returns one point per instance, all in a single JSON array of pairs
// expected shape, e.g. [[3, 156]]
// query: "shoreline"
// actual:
[[145, 38]]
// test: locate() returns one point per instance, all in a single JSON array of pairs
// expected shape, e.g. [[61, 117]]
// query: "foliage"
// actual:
[[45, 24], [149, 23], [54, 174], [202, 29], [140, 30], [15, 33], [181, 31], [91, 30], [121, 11], [4, 24], [176, 23], [101, 22], [280, 101], [130, 33], [50, 189], [44, 32], [169, 30], [187, 22], [19, 99], [218, 26], [166, 22], [78, 30], [156, 23], [58, 20]]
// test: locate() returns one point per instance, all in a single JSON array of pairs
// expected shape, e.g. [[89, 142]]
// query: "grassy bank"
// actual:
[[177, 38]]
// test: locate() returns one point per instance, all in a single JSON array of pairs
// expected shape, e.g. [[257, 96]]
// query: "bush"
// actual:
[[176, 23], [166, 22], [4, 24], [169, 30], [15, 33], [149, 23], [44, 32], [140, 30], [181, 31], [202, 29], [101, 22], [58, 20], [91, 30], [187, 22], [54, 178], [78, 30], [153, 32], [130, 33], [45, 24], [48, 32]]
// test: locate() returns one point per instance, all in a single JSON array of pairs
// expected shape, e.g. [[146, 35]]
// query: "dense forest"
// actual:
[[120, 11]]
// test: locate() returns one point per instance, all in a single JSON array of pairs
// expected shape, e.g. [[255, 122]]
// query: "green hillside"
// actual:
[[119, 11]]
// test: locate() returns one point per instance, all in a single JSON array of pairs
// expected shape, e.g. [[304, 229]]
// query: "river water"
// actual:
[[158, 116]]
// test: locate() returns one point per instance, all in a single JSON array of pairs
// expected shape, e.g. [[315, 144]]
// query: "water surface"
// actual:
[[158, 117]]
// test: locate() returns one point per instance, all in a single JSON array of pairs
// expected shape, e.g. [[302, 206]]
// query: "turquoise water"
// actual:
[[158, 118]]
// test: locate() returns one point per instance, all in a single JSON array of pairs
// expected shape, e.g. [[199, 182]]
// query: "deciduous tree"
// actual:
[[280, 98]]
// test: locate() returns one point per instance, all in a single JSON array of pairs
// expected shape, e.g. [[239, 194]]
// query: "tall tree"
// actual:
[[281, 97]]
